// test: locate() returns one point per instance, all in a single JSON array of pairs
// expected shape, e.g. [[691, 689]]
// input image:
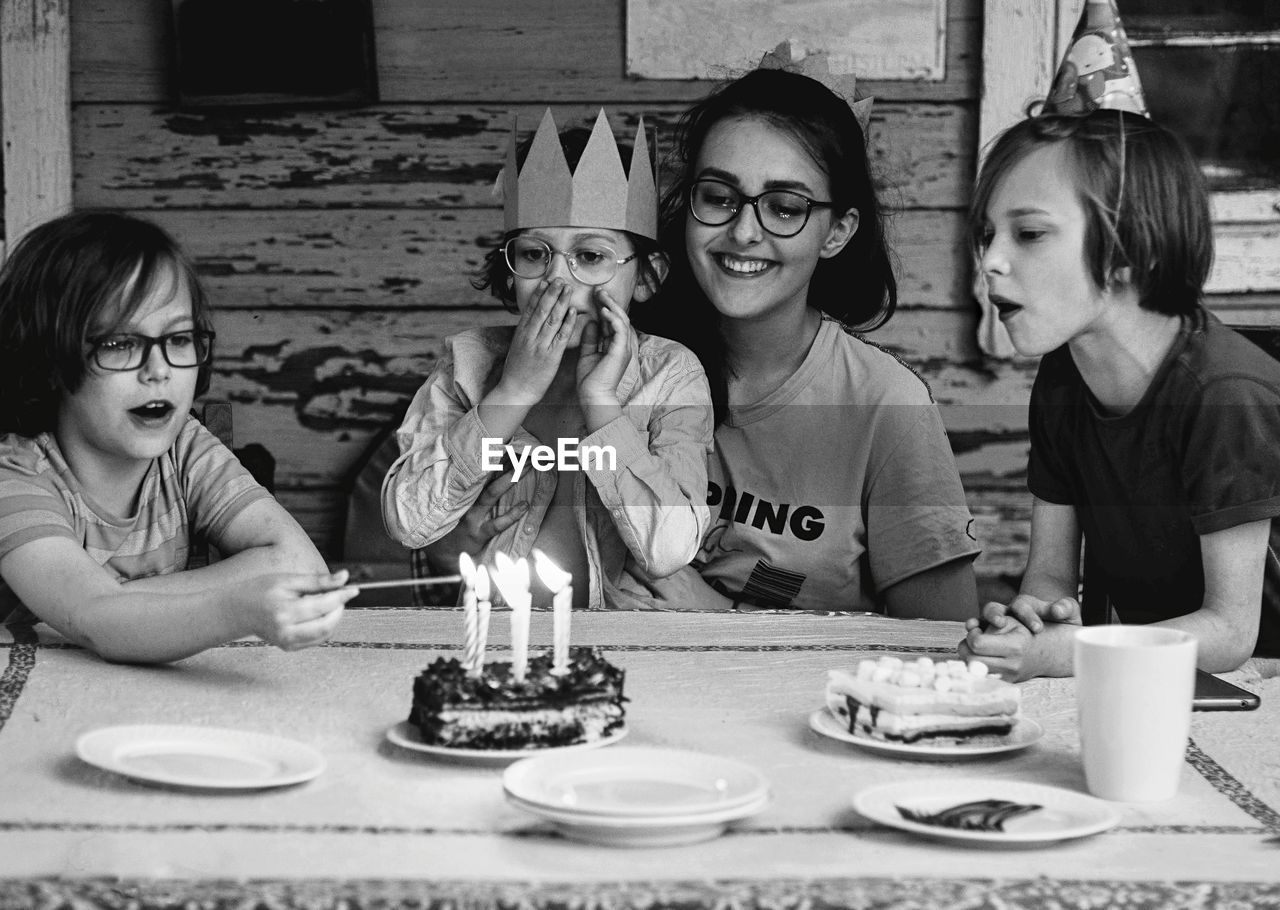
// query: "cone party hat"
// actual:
[[1097, 70], [598, 193]]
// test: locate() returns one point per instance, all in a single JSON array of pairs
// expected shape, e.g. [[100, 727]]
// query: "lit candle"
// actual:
[[512, 580], [476, 668], [520, 608], [467, 569], [558, 583]]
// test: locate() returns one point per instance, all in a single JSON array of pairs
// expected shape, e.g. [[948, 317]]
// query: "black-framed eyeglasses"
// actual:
[[129, 351], [780, 212], [590, 263]]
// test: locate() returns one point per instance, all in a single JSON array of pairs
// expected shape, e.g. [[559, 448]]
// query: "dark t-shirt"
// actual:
[[1200, 453]]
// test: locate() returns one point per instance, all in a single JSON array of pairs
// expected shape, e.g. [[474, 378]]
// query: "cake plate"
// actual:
[[1025, 732], [406, 736]]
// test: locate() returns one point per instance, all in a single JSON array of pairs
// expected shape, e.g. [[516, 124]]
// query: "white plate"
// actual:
[[1064, 814], [643, 831], [205, 757], [406, 736], [639, 822], [1025, 732], [636, 782]]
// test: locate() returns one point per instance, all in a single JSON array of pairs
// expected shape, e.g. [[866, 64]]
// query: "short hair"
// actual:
[[494, 274], [61, 280], [1145, 203]]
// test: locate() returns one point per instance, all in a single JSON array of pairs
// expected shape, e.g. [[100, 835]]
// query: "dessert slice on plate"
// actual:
[[922, 701]]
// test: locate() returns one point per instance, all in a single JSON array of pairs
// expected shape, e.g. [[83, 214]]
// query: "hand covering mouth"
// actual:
[[153, 410]]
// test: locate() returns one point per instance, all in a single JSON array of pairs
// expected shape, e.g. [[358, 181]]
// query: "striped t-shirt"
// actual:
[[198, 486]]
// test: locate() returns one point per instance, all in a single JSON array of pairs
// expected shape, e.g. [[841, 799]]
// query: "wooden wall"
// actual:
[[337, 243]]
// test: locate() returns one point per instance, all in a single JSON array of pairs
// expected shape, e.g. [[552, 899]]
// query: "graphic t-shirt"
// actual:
[[835, 486]]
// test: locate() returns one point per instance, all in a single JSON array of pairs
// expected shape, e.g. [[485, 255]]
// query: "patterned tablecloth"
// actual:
[[385, 827]]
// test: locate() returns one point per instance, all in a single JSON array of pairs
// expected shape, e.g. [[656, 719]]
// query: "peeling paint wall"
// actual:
[[338, 244]]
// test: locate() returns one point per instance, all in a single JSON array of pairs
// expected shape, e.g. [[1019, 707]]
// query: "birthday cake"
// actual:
[[492, 711], [897, 701]]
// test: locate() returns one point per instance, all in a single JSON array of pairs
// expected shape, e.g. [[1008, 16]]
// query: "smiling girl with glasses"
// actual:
[[832, 484], [105, 477]]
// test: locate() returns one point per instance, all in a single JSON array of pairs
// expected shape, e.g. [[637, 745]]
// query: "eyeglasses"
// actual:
[[592, 264], [780, 212], [188, 348]]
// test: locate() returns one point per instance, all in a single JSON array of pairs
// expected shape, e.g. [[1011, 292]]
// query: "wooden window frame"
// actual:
[[35, 114]]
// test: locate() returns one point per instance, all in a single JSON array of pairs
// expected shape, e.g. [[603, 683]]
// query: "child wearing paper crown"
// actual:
[[833, 486], [105, 475], [632, 411], [1153, 426]]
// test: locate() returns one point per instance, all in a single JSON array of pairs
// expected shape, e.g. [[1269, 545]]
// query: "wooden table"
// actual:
[[385, 827]]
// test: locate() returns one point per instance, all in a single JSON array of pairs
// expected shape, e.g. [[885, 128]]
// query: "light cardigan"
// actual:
[[652, 507]]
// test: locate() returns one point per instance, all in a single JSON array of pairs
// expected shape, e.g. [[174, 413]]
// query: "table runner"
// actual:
[[382, 825]]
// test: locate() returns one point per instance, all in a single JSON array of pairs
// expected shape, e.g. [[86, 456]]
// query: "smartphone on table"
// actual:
[[1214, 694]]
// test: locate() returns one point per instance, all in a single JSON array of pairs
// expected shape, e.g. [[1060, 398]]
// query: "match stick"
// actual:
[[406, 582]]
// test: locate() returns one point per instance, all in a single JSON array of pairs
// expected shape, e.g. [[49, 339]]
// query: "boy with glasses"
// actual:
[[105, 476]]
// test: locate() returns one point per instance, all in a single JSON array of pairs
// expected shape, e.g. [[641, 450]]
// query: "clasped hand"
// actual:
[[1004, 637]]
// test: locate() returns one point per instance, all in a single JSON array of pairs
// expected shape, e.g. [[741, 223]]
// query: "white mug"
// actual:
[[1134, 687]]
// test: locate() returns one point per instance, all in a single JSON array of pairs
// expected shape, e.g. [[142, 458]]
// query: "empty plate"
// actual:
[[635, 782], [207, 757], [644, 830]]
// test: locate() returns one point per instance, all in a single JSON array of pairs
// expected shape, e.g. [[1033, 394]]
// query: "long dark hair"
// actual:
[[60, 281], [856, 287]]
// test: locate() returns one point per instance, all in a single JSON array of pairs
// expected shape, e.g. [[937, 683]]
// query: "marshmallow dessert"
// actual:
[[922, 700], [455, 709]]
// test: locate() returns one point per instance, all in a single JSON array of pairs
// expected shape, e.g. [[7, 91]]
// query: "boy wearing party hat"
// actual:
[[1153, 426], [603, 431]]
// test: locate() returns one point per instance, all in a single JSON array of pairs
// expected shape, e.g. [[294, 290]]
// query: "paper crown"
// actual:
[[598, 193], [833, 71], [1097, 70]]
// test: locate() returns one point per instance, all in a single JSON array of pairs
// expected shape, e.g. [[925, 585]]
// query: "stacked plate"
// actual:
[[637, 796]]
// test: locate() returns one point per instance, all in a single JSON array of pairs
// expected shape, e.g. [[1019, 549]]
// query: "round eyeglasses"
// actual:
[[591, 263], [780, 212], [128, 351]]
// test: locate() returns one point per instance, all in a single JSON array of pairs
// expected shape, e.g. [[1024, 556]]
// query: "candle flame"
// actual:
[[554, 577], [467, 569], [481, 582], [512, 583]]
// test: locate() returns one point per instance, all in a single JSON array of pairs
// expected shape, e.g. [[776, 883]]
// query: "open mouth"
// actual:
[[737, 265], [1004, 305], [153, 410]]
